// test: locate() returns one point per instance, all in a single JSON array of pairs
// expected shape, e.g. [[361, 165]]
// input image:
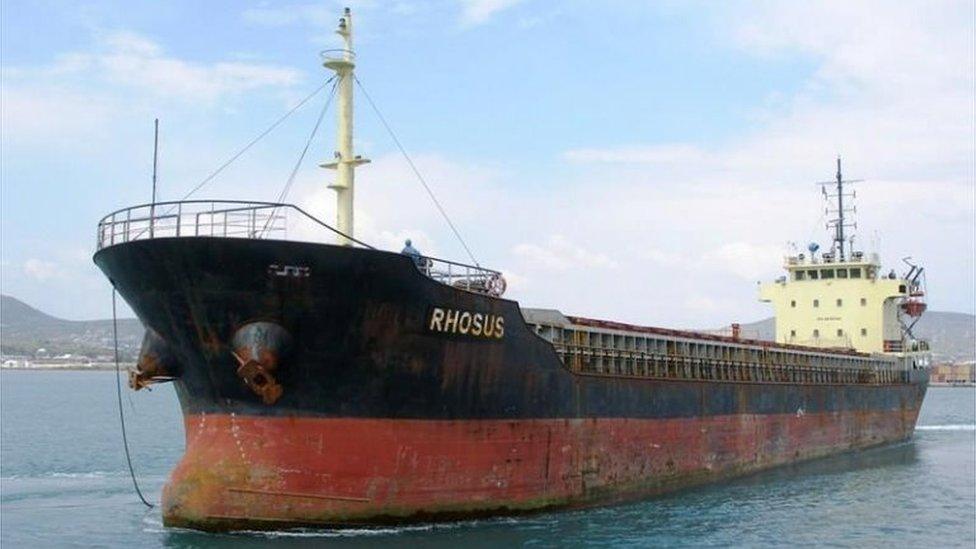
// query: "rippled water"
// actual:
[[63, 482]]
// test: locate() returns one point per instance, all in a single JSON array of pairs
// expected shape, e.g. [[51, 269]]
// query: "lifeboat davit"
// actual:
[[914, 307]]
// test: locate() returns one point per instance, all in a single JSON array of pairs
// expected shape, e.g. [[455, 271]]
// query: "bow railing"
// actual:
[[213, 218], [263, 220]]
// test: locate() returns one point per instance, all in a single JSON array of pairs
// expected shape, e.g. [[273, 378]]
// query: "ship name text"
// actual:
[[294, 271], [456, 321]]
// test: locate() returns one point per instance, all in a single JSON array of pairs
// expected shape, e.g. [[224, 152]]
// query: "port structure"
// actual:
[[345, 160]]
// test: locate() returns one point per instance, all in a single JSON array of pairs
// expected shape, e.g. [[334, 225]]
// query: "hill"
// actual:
[[24, 331]]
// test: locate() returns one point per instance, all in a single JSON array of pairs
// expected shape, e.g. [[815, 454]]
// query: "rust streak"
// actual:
[[297, 495]]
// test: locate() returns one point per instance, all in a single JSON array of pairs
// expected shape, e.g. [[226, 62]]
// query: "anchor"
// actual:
[[259, 348]]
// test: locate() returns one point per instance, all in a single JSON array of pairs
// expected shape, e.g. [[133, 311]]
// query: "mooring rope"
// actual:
[[118, 391]]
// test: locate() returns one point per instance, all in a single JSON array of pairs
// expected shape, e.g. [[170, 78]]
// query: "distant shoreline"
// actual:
[[96, 367], [108, 367]]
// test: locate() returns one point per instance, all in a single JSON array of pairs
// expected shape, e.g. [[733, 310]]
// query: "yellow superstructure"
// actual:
[[823, 302], [841, 299]]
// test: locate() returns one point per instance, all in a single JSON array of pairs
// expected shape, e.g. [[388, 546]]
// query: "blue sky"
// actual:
[[631, 160]]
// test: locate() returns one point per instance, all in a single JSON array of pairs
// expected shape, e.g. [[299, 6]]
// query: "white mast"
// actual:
[[345, 160]]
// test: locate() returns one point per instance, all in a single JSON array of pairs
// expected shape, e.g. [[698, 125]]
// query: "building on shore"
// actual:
[[959, 373]]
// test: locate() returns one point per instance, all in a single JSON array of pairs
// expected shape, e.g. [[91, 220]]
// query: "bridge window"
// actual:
[[826, 273], [841, 273], [816, 302], [901, 288], [813, 274], [855, 273], [800, 275]]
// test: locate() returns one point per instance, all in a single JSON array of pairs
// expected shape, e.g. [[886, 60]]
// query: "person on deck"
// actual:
[[414, 254]]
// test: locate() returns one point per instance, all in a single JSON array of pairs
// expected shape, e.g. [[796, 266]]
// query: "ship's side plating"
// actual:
[[381, 415]]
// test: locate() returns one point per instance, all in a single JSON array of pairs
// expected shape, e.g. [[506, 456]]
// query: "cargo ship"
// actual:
[[329, 384]]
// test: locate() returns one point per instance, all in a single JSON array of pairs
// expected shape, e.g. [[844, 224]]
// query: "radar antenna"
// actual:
[[839, 209]]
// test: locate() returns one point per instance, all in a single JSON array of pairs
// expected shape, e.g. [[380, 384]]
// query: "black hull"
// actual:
[[362, 348], [381, 419]]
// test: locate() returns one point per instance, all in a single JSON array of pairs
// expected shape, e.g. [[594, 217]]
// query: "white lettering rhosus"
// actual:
[[455, 321]]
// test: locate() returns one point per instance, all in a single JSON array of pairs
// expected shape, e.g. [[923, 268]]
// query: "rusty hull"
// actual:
[[381, 420]]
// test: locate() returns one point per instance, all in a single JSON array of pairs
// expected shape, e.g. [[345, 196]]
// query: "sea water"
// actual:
[[64, 482]]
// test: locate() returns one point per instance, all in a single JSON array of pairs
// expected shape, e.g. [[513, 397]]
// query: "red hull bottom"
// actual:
[[247, 472]]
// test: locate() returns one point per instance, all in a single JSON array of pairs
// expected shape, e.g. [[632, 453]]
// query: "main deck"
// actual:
[[603, 348]]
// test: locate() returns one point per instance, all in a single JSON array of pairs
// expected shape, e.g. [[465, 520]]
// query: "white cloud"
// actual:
[[651, 154], [277, 15], [32, 113], [477, 12], [744, 259], [324, 15], [81, 100], [560, 254], [64, 283], [41, 270], [896, 98], [135, 61], [706, 304], [79, 91]]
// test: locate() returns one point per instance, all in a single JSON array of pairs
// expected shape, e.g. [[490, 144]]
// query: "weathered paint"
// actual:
[[156, 362], [259, 348], [375, 405], [247, 472]]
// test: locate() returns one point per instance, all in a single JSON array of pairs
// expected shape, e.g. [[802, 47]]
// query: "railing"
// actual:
[[337, 53], [189, 218], [338, 59], [262, 220], [465, 277], [599, 361]]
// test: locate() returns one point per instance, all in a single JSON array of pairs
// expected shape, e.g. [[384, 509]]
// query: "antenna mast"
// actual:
[[839, 223], [345, 163]]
